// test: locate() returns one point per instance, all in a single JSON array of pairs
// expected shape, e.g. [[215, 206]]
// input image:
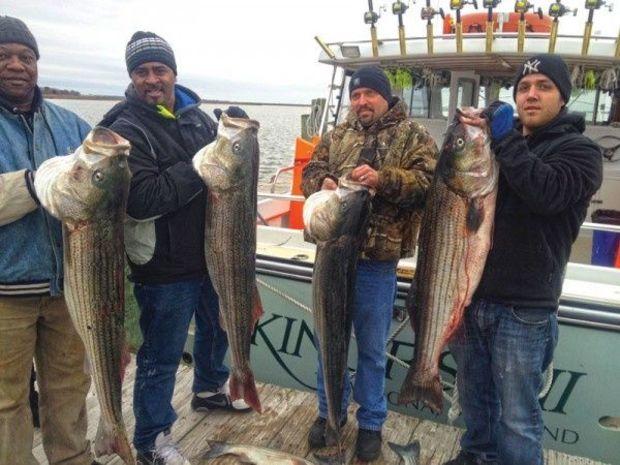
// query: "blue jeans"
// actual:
[[501, 355], [165, 314], [375, 290]]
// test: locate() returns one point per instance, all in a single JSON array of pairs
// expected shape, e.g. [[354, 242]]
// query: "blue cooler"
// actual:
[[605, 244]]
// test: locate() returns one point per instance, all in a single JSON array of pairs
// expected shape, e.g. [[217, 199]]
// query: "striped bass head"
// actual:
[[330, 214], [466, 163], [90, 183], [232, 158]]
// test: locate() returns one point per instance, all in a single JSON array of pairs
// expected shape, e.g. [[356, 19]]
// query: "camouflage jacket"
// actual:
[[405, 161]]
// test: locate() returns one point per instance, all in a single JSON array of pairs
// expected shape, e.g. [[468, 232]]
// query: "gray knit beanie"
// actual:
[[15, 31], [144, 47]]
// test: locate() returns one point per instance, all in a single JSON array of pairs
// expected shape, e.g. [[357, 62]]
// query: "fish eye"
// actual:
[[459, 143], [121, 163], [98, 176], [236, 147]]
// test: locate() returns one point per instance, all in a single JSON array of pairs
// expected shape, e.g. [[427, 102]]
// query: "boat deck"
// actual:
[[287, 416]]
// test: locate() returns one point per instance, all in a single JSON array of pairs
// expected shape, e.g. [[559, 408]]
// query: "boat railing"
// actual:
[[476, 35], [274, 179], [588, 226]]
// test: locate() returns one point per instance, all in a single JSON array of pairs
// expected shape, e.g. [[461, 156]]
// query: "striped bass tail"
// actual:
[[113, 441], [242, 385], [425, 387]]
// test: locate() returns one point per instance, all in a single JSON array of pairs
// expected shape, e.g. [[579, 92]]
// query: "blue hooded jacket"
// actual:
[[31, 247]]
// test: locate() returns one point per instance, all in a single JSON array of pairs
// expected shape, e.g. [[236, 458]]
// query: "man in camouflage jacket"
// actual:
[[380, 147]]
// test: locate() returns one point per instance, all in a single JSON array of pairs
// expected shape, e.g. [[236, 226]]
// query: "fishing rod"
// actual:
[[427, 13], [399, 8], [556, 11], [489, 5], [522, 7], [458, 5], [371, 17], [592, 5]]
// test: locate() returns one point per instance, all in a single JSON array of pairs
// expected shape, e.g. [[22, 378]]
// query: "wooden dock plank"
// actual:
[[284, 424]]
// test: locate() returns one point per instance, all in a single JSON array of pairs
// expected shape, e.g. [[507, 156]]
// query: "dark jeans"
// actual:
[[165, 313], [501, 356], [375, 290]]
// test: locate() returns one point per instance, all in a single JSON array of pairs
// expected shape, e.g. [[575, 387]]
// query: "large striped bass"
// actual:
[[229, 168], [87, 192], [336, 220], [455, 238], [254, 455]]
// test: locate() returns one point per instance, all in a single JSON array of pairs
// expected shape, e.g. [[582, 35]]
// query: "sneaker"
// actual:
[[166, 452], [368, 445], [316, 435], [206, 400]]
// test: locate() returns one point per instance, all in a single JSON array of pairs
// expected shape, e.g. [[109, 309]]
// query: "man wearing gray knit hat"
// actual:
[[34, 320], [164, 241]]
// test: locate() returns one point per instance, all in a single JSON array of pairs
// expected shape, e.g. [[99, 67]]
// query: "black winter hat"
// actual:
[[373, 78], [552, 66], [148, 46], [13, 30]]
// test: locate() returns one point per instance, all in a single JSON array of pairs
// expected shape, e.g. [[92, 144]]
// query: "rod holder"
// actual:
[[325, 47]]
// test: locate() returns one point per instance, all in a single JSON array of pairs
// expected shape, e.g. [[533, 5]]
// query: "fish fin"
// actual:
[[125, 359], [216, 449], [87, 366], [427, 389], [475, 215], [245, 387], [409, 453], [257, 308], [221, 319], [109, 440], [410, 303]]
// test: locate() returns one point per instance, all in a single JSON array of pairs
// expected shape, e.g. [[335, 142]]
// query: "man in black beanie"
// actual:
[[383, 149], [164, 241], [34, 320], [548, 173]]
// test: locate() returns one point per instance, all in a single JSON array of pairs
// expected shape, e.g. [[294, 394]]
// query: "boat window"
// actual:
[[592, 104]]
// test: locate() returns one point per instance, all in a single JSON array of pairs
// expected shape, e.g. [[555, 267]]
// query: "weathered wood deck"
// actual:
[[287, 416]]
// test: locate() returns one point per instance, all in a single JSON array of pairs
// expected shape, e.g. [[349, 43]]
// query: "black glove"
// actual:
[[232, 111], [500, 117]]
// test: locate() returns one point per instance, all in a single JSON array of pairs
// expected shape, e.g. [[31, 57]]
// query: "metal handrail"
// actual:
[[274, 178], [585, 226], [475, 34]]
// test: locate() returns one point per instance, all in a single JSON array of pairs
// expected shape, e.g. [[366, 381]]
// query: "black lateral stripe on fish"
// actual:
[[455, 238], [87, 191], [336, 220], [229, 168]]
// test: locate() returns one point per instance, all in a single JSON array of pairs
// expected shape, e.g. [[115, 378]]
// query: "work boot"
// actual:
[[220, 399], [316, 435], [368, 445], [165, 452], [467, 458]]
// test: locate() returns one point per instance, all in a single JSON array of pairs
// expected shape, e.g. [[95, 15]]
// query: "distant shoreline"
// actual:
[[118, 98]]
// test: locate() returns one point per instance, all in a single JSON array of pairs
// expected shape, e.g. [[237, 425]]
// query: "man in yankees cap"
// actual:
[[548, 172]]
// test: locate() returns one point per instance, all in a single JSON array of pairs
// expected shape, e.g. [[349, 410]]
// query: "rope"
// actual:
[[396, 332]]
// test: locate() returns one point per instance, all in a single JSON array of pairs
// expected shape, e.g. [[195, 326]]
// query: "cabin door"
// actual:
[[464, 91]]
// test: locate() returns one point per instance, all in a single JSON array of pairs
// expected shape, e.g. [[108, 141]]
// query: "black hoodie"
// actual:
[[165, 189], [546, 182]]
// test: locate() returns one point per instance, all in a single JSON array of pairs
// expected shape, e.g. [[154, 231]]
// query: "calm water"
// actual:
[[279, 128]]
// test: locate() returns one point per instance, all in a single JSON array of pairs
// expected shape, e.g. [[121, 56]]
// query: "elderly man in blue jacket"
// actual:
[[34, 321]]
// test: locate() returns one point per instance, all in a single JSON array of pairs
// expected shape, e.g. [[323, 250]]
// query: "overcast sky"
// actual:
[[244, 50]]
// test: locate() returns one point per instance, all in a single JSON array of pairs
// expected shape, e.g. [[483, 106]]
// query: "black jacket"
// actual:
[[546, 182], [164, 235]]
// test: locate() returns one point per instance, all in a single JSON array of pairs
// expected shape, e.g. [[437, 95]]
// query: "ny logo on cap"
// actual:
[[530, 67]]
